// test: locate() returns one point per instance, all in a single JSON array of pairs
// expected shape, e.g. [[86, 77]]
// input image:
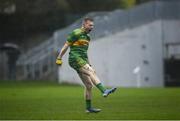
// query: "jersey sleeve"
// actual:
[[72, 37]]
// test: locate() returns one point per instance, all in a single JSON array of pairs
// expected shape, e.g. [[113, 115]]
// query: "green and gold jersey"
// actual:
[[78, 41]]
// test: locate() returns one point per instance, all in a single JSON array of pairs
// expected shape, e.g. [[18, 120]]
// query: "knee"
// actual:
[[89, 86]]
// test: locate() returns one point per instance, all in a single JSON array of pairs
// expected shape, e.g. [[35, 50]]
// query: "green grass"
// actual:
[[51, 101]]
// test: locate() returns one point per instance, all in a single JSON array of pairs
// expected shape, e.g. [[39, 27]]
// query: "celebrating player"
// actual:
[[78, 41]]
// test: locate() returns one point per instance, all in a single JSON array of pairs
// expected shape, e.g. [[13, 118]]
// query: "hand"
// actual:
[[59, 61]]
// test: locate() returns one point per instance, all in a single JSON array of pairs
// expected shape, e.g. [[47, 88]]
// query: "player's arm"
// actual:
[[70, 39], [62, 52]]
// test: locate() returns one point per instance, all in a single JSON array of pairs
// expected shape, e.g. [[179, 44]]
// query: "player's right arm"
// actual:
[[62, 52], [71, 38]]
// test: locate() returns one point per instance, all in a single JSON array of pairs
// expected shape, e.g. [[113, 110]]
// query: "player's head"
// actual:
[[88, 24]]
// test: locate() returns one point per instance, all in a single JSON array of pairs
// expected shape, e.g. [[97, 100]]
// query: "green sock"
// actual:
[[101, 87], [88, 104]]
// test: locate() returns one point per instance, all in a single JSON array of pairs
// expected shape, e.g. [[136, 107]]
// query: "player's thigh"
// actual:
[[87, 69], [86, 80]]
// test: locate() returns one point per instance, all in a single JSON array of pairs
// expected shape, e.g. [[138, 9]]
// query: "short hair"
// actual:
[[88, 19]]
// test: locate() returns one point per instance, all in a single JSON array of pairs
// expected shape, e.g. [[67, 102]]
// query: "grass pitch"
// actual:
[[32, 100]]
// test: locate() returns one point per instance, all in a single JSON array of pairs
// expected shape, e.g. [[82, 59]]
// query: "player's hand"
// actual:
[[59, 61]]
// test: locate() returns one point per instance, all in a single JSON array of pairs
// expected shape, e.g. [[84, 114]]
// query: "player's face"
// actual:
[[88, 26]]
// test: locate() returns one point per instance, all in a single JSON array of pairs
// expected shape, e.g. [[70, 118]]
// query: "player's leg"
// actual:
[[88, 85], [88, 70], [88, 92]]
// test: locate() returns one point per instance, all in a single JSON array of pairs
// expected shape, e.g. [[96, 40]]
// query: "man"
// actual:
[[78, 41]]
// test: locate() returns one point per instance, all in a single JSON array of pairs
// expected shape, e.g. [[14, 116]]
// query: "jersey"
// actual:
[[78, 41]]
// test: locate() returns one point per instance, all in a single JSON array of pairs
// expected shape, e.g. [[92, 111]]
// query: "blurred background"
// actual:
[[135, 43]]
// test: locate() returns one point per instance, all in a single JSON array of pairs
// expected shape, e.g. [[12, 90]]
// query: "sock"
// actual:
[[101, 87], [88, 104]]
